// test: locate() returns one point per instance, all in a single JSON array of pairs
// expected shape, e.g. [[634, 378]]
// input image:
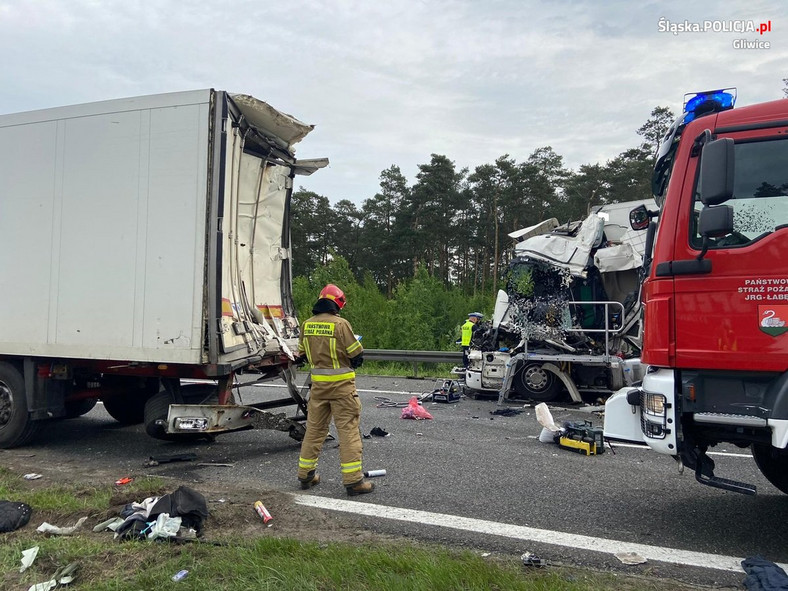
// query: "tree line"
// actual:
[[415, 259]]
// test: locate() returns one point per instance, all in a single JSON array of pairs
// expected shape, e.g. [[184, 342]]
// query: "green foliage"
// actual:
[[414, 260], [525, 283], [422, 315]]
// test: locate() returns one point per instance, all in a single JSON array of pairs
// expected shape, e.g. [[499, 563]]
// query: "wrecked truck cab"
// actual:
[[569, 318]]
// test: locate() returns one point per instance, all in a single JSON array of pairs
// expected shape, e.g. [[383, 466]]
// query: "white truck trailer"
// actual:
[[143, 241]]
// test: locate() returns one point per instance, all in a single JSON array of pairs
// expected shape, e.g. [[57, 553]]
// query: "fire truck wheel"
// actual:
[[536, 383], [16, 428], [773, 464]]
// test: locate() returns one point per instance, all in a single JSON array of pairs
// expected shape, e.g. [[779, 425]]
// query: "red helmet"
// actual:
[[332, 292]]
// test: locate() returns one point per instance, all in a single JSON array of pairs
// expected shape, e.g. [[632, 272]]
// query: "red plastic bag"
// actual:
[[414, 410]]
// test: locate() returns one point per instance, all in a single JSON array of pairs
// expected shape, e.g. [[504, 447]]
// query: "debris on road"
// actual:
[[48, 528], [32, 476], [763, 575], [156, 460], [63, 576], [630, 558], [415, 411], [28, 556], [13, 515], [262, 511], [141, 519], [530, 559], [549, 427], [180, 575], [373, 473], [506, 412], [110, 524], [122, 481]]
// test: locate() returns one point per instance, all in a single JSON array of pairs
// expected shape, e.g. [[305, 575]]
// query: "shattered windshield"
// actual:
[[538, 300]]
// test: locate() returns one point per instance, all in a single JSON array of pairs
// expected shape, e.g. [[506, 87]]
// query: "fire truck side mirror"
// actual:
[[716, 222], [716, 172]]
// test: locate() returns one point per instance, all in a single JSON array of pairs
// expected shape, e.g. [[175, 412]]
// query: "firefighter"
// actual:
[[329, 345], [467, 334]]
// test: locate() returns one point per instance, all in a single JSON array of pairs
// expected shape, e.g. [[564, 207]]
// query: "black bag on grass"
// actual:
[[13, 515]]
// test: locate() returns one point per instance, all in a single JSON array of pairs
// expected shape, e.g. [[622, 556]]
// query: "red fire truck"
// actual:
[[715, 293]]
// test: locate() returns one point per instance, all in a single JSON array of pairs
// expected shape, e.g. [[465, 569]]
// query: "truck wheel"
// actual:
[[16, 428], [773, 465], [126, 397], [536, 383], [158, 407], [79, 407]]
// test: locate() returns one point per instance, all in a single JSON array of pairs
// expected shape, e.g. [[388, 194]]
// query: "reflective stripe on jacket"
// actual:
[[329, 344]]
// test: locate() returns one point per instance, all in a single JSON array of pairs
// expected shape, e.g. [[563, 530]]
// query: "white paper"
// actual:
[[28, 556], [48, 528]]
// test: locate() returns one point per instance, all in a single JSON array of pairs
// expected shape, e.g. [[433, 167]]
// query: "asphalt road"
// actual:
[[468, 462]]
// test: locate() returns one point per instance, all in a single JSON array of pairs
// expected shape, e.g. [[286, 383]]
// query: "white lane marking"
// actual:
[[708, 453], [518, 532]]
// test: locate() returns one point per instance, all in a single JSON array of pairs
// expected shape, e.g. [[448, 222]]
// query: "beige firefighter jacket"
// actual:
[[329, 344]]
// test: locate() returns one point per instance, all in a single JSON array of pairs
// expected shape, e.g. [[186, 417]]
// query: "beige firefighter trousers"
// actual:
[[345, 408]]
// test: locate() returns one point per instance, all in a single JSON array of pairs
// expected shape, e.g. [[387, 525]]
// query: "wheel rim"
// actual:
[[535, 378], [6, 404]]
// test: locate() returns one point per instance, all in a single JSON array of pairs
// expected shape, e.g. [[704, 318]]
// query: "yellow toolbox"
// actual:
[[584, 447], [583, 438]]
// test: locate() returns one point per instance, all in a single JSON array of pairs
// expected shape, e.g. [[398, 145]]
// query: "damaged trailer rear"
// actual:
[[569, 319], [146, 246]]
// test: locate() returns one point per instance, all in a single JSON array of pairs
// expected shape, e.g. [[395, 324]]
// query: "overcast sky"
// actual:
[[393, 82]]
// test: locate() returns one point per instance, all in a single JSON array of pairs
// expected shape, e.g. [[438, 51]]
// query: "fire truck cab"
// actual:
[[715, 297]]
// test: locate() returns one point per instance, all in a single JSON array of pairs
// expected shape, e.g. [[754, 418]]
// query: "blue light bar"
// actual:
[[710, 101]]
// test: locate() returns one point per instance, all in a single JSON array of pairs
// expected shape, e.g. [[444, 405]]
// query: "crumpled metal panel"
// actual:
[[270, 121]]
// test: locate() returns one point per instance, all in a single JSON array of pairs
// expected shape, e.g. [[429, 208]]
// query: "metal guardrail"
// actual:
[[414, 357]]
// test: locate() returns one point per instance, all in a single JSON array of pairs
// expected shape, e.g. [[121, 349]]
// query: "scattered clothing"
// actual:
[[763, 575]]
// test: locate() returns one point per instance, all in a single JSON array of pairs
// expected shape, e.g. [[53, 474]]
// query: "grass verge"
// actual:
[[230, 561]]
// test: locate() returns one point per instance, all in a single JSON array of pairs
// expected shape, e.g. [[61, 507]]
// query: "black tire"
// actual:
[[158, 406], [773, 465], [533, 382], [126, 398], [16, 427], [79, 407]]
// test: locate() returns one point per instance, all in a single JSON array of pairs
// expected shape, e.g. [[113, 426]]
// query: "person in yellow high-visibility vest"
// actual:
[[467, 334], [328, 343]]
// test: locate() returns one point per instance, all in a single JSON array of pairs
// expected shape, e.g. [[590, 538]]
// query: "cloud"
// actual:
[[391, 83]]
